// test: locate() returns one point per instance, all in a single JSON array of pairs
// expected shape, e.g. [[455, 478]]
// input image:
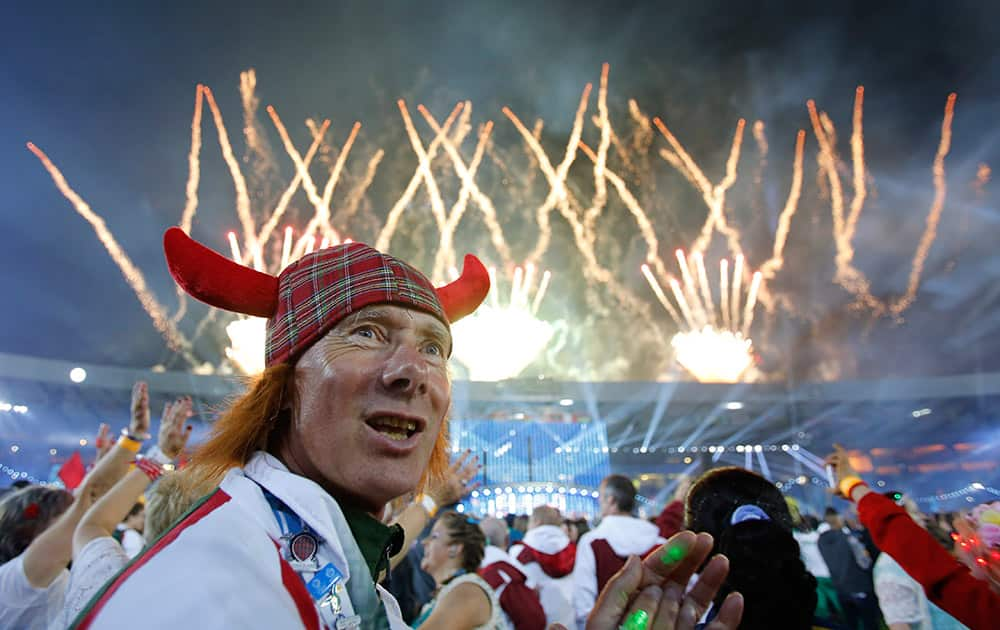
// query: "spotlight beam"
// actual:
[[662, 402]]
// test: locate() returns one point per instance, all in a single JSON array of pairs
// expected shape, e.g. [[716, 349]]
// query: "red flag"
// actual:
[[73, 472]]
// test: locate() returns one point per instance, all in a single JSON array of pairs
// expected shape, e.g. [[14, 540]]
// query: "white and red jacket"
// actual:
[[516, 593], [547, 556], [602, 551], [221, 567]]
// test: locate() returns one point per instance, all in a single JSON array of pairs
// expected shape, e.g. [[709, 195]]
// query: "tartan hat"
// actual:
[[315, 292]]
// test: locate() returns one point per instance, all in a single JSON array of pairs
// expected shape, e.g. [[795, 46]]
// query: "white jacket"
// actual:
[[221, 567], [556, 594], [627, 536]]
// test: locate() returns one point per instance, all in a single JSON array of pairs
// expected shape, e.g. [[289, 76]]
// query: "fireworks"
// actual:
[[499, 341], [602, 188], [713, 346]]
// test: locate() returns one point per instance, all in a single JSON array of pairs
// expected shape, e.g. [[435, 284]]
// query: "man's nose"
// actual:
[[405, 371]]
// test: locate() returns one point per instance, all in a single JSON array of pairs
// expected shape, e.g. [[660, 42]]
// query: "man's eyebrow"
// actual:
[[366, 315], [437, 330]]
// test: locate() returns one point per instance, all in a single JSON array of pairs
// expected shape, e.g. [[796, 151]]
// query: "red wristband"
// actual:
[[152, 470]]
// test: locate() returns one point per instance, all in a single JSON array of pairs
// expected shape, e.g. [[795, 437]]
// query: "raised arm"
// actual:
[[947, 582], [102, 518], [49, 554]]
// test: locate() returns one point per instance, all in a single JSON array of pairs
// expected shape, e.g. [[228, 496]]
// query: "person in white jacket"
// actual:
[[349, 413], [547, 556], [603, 551]]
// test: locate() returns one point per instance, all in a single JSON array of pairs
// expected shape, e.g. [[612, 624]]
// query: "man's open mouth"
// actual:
[[394, 428]]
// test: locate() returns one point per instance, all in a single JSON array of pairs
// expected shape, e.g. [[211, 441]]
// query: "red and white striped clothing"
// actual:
[[221, 567]]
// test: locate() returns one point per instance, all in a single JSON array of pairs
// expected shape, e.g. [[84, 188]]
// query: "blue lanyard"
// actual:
[[326, 584]]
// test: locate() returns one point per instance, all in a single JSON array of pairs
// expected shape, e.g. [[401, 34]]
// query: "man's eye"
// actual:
[[365, 331], [435, 349]]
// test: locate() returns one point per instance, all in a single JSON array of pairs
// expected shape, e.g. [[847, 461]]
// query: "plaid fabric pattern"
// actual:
[[318, 290]]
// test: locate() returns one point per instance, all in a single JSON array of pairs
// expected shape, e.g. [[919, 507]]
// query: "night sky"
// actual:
[[107, 92]]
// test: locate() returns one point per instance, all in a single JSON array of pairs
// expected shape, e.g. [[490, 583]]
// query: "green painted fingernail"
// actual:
[[638, 620], [674, 555]]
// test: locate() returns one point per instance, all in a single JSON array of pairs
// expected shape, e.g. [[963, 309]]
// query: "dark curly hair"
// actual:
[[26, 513], [765, 564], [465, 531]]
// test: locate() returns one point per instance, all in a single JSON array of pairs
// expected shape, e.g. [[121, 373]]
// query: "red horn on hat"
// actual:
[[215, 280], [465, 294]]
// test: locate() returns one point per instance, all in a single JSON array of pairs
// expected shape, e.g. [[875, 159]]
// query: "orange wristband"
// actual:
[[847, 485]]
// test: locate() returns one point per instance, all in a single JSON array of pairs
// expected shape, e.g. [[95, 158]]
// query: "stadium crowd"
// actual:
[[325, 497]]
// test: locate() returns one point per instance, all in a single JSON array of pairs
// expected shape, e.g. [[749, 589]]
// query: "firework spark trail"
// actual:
[[719, 198], [706, 289], [561, 198], [301, 169], [286, 197], [469, 188], [239, 182], [762, 146], [385, 236], [714, 196], [642, 219], [321, 221], [674, 160], [430, 184], [734, 299], [660, 295], [175, 339], [191, 191], [751, 303], [685, 309], [194, 166], [697, 308], [445, 256], [934, 216], [777, 260], [616, 142], [600, 199], [846, 275], [724, 293], [540, 294], [858, 159], [356, 195], [257, 145], [558, 195]]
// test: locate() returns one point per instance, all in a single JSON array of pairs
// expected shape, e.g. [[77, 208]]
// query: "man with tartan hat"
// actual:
[[349, 413]]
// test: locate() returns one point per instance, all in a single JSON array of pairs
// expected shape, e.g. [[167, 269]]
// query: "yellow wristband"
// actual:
[[847, 484], [129, 444]]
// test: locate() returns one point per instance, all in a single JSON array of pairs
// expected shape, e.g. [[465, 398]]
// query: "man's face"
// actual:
[[371, 397], [604, 500]]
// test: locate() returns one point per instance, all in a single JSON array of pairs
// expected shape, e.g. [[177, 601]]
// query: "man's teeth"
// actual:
[[396, 429], [397, 423]]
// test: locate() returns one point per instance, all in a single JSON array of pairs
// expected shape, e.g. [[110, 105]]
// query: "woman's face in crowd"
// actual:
[[437, 547]]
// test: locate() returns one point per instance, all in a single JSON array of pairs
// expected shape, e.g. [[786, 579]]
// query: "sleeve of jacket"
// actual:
[[947, 582], [584, 580]]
